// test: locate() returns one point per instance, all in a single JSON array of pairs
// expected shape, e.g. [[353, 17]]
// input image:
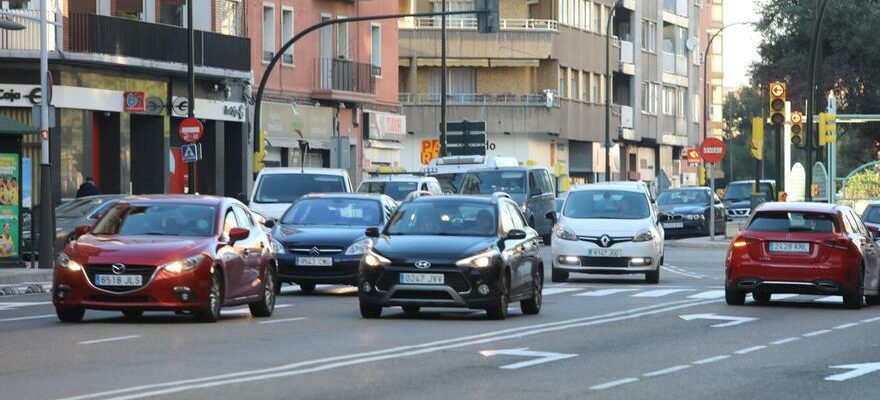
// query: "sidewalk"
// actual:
[[15, 281]]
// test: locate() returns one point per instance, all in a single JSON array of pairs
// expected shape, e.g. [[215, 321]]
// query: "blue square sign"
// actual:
[[191, 152]]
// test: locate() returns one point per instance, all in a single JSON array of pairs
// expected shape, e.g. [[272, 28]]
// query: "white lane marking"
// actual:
[[604, 292], [278, 321], [660, 293], [829, 299], [542, 357], [558, 290], [869, 320], [748, 350], [710, 360], [817, 333], [857, 371], [733, 321], [329, 363], [247, 311], [849, 325], [27, 318], [612, 384], [782, 296], [682, 271], [667, 370], [15, 305], [786, 340], [710, 294], [112, 339]]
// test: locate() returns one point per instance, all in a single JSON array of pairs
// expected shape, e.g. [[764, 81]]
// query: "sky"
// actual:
[[740, 42]]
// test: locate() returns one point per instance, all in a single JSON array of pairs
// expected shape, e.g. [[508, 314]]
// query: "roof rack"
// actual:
[[499, 195], [416, 194]]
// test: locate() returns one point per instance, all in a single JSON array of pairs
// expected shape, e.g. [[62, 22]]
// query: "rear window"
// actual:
[[449, 183], [743, 191], [397, 190], [285, 188], [782, 221], [872, 215], [488, 182]]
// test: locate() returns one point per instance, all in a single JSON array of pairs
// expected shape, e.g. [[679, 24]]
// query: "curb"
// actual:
[[722, 244], [25, 288]]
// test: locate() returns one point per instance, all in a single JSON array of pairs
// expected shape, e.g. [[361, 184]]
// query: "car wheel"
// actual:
[[278, 288], [411, 309], [499, 311], [872, 300], [133, 314], [307, 287], [532, 306], [70, 314], [370, 311], [762, 297], [215, 297], [558, 276], [653, 277], [734, 297], [853, 301], [265, 306]]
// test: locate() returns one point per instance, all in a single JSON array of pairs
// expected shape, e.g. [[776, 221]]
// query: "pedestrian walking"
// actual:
[[88, 188]]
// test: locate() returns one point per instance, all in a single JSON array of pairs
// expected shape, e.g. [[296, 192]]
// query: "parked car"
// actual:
[[277, 188], [453, 251], [450, 170], [689, 210], [871, 217], [531, 188], [179, 253], [737, 197], [82, 211], [607, 229], [400, 186], [322, 237], [803, 248]]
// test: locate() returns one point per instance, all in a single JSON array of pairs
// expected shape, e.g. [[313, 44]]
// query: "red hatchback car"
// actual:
[[804, 248], [190, 254]]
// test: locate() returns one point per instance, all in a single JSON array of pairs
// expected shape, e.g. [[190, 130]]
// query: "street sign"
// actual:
[[466, 138], [191, 130], [180, 106], [191, 152], [693, 156], [134, 101], [430, 150], [154, 105], [820, 182], [712, 150]]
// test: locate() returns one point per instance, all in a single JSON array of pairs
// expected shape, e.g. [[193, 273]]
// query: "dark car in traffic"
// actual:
[[453, 251], [871, 217], [81, 211], [322, 237], [181, 253], [689, 211], [737, 198]]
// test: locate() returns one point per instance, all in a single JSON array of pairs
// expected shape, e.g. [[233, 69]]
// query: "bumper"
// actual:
[[343, 271], [830, 277], [817, 287], [688, 228], [461, 288], [635, 257]]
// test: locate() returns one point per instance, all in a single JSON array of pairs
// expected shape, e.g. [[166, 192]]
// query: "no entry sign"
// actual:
[[191, 130], [712, 150]]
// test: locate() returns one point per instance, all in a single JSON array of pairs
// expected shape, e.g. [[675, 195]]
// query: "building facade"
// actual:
[[712, 22], [336, 88]]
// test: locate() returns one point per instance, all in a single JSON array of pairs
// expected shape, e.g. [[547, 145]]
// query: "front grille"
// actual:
[[738, 212], [421, 295], [597, 240], [613, 262], [453, 279], [145, 271], [120, 299], [309, 250]]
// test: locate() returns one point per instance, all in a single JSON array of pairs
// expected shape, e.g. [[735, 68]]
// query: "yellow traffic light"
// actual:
[[777, 103], [827, 128], [701, 175], [261, 154], [797, 129], [758, 138]]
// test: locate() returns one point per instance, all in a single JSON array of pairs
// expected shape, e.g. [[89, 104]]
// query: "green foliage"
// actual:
[[739, 109], [863, 185]]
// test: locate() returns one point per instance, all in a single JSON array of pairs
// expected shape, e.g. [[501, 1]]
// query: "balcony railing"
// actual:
[[481, 99], [626, 117], [471, 24], [29, 37], [626, 52], [90, 33], [345, 75]]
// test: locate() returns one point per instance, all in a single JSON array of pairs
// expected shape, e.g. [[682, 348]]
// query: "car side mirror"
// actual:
[[237, 234], [515, 234], [270, 223], [372, 232], [551, 216], [82, 230]]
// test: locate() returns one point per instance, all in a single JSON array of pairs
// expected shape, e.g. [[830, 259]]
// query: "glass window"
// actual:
[[342, 41], [172, 12], [743, 191], [488, 182], [872, 215], [597, 18], [683, 197], [574, 74], [784, 221], [445, 218], [519, 221], [450, 183], [334, 211], [606, 204], [396, 190], [80, 207], [229, 222], [586, 7], [230, 17], [376, 49], [268, 33], [243, 217], [285, 188], [585, 86], [506, 220], [563, 83], [649, 36], [287, 34], [157, 219]]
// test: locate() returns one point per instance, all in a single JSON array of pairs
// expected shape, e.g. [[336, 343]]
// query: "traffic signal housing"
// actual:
[[758, 138], [797, 129], [488, 20], [777, 103], [827, 128]]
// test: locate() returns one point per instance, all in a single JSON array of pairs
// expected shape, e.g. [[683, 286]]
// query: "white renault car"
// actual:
[[607, 229]]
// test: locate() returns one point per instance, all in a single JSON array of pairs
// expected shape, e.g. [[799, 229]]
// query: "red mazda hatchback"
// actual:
[[804, 248], [189, 254]]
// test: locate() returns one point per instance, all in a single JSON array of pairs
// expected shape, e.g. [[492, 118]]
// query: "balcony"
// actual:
[[336, 75], [29, 37], [454, 23], [627, 58], [98, 34], [523, 38], [482, 99]]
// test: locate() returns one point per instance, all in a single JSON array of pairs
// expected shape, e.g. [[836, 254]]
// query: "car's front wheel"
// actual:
[[499, 310], [532, 306], [211, 313], [370, 311], [761, 297], [70, 314], [653, 277], [265, 306], [734, 297]]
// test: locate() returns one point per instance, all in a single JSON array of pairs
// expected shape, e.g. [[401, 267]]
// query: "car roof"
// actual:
[[398, 178], [362, 196], [294, 170], [799, 206], [752, 181], [683, 189], [176, 199], [455, 197], [607, 186], [520, 168]]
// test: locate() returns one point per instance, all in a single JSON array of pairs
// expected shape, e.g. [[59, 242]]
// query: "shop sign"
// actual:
[[430, 150], [134, 102], [20, 95], [235, 111], [385, 125]]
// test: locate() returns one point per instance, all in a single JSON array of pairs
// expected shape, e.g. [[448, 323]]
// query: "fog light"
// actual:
[[569, 259], [640, 261], [366, 287], [184, 294], [62, 292], [483, 289]]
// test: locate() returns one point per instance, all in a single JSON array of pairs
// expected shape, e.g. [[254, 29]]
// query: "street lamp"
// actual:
[[608, 82]]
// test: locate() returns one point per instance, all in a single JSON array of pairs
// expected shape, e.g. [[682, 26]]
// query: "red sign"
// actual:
[[712, 150], [134, 101], [430, 150], [191, 130], [693, 156]]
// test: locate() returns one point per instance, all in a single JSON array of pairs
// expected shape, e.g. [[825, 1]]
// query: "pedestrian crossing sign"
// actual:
[[191, 152]]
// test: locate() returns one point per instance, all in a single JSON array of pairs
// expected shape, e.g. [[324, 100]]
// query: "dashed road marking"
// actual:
[[711, 294], [817, 333], [112, 339], [278, 321], [27, 318], [711, 360], [844, 326], [660, 293], [558, 290], [604, 292], [752, 349], [786, 340], [667, 370], [612, 384]]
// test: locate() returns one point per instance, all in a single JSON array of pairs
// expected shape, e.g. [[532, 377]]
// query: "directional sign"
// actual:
[[466, 138], [712, 150], [191, 152], [540, 357], [693, 156], [191, 130], [857, 371], [777, 89], [180, 106], [732, 321]]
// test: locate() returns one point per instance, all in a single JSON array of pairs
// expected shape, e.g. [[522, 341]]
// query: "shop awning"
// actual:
[[454, 62], [515, 63], [9, 126]]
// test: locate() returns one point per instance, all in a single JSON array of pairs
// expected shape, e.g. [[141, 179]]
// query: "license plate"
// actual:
[[314, 261], [604, 253], [422, 279], [789, 247], [673, 225], [118, 280]]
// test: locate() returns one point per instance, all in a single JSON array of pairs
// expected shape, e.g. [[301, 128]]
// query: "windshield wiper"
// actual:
[[159, 234]]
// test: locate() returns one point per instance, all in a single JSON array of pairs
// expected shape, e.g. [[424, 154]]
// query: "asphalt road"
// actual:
[[597, 338]]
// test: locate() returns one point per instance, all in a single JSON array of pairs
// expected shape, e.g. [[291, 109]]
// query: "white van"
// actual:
[[277, 188], [398, 186], [450, 170]]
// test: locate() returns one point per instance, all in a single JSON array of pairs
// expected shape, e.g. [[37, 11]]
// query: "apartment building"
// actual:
[[335, 88], [712, 21]]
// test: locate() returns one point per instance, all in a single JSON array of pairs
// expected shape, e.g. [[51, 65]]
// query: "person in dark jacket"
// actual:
[[88, 188]]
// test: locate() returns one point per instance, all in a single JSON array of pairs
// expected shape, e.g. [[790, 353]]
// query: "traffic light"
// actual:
[[777, 103], [827, 128], [487, 16], [797, 129], [261, 154], [758, 138]]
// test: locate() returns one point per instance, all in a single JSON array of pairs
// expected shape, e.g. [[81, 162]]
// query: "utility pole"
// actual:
[[608, 82], [811, 97], [191, 83], [443, 77], [47, 204]]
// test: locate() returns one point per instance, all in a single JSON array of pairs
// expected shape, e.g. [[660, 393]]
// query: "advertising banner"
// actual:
[[9, 205]]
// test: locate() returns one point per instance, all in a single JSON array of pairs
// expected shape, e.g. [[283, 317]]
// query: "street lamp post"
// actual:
[[811, 94], [608, 82]]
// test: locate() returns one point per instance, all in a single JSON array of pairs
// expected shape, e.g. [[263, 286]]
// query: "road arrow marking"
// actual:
[[542, 357], [857, 371], [733, 320]]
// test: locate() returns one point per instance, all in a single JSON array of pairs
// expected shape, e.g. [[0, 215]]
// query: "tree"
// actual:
[[739, 109]]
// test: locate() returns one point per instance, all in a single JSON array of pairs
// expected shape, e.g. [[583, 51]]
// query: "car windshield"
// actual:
[[80, 207], [488, 182], [743, 191], [449, 183], [341, 211], [444, 217], [790, 221], [872, 215], [158, 219], [683, 197], [606, 204], [285, 188], [397, 190]]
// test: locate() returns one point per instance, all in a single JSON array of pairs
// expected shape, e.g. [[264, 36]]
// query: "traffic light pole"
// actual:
[[443, 77], [811, 95], [780, 164]]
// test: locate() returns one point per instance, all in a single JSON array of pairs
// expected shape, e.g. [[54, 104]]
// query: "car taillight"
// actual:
[[740, 243], [837, 243]]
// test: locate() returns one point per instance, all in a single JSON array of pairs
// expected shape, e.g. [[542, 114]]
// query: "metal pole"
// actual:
[[712, 202], [443, 129], [811, 93], [191, 83], [780, 167], [47, 204], [608, 82]]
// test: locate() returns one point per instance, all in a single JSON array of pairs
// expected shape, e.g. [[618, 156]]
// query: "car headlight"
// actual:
[[643, 236], [695, 217], [479, 260], [359, 247], [277, 247], [374, 260], [185, 264], [564, 232], [64, 261]]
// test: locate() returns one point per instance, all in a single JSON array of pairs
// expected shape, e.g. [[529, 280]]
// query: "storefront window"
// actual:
[[72, 129]]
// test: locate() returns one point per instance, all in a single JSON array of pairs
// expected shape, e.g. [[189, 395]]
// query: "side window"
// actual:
[[470, 185], [548, 182], [244, 218], [229, 222], [424, 187], [506, 219], [847, 222], [534, 183], [389, 207], [857, 223], [435, 187], [519, 222]]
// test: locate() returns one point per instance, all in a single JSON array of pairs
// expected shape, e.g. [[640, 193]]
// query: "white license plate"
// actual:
[[118, 280], [789, 247], [604, 253], [673, 225], [314, 261], [422, 279]]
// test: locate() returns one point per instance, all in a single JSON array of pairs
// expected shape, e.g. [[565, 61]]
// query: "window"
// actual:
[[519, 222], [649, 97], [563, 11], [585, 86], [603, 92], [244, 218], [376, 49], [230, 17], [229, 222], [597, 96], [172, 12], [576, 13], [506, 220], [597, 18], [334, 212], [287, 34], [342, 41], [575, 75], [697, 106], [268, 33], [781, 221], [668, 101], [459, 81], [649, 36], [586, 8], [563, 93]]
